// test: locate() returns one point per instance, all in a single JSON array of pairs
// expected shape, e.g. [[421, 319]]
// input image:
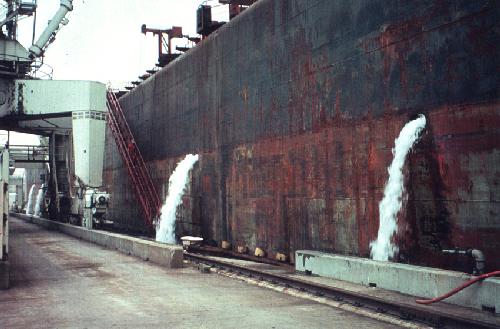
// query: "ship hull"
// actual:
[[294, 107]]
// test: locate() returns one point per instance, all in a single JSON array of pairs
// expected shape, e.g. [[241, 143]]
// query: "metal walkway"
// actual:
[[29, 153]]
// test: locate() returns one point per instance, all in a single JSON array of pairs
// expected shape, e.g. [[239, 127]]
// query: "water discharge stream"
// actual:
[[165, 232], [38, 203], [29, 206], [383, 248]]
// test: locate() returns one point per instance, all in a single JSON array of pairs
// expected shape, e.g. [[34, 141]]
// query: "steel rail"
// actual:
[[416, 313]]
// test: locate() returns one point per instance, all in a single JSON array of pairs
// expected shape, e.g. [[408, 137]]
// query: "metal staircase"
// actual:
[[146, 193]]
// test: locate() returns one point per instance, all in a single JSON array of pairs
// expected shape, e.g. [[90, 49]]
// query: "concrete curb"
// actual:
[[167, 255], [4, 274], [408, 279]]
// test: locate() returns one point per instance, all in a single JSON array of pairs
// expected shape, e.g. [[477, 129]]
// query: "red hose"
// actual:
[[457, 289]]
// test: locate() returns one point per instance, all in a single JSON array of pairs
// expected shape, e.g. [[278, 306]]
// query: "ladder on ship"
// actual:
[[143, 185]]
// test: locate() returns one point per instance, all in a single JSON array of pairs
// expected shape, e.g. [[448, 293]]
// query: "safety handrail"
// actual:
[[136, 167]]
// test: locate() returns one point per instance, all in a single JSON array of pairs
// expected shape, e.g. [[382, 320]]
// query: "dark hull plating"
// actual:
[[294, 107]]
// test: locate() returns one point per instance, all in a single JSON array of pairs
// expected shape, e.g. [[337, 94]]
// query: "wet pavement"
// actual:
[[61, 282]]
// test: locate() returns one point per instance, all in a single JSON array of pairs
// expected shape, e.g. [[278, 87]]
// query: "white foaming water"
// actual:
[[29, 206], [383, 248], [165, 231], [38, 202]]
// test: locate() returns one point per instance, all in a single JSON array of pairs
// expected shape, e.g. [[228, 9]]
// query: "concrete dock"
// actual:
[[58, 281]]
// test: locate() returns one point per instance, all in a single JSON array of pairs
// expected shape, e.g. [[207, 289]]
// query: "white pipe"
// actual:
[[36, 49], [476, 254], [480, 260]]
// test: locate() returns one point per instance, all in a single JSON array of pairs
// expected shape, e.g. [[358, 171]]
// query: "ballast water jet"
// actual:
[[165, 231], [383, 248], [38, 203], [29, 206]]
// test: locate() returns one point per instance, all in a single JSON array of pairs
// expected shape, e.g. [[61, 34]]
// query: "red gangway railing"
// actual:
[[146, 193]]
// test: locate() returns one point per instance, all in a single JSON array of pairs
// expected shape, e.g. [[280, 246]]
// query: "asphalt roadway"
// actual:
[[61, 282]]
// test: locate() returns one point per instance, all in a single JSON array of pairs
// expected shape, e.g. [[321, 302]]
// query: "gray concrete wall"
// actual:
[[4, 274], [408, 279], [167, 255]]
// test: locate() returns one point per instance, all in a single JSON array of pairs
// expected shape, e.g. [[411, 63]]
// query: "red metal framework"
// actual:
[[143, 185]]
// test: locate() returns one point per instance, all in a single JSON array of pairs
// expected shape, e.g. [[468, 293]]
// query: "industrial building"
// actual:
[[306, 163]]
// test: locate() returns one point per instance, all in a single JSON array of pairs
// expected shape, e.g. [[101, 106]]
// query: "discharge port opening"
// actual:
[[490, 309]]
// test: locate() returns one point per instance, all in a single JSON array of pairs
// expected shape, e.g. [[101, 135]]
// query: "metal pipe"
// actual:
[[36, 50], [476, 254], [11, 13], [480, 260]]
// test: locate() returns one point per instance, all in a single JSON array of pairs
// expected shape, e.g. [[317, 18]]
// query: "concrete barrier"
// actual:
[[408, 279], [167, 255], [4, 274]]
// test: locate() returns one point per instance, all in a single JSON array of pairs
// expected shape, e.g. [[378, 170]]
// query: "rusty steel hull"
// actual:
[[294, 107]]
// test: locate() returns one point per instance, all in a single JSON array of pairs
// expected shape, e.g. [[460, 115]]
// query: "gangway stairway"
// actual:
[[146, 193]]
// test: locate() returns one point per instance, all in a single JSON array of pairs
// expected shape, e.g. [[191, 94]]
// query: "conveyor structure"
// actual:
[[71, 113]]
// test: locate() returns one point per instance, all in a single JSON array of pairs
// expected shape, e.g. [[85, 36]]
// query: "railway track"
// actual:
[[411, 316]]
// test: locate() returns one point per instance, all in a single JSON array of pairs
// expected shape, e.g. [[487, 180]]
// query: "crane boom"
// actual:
[[36, 50]]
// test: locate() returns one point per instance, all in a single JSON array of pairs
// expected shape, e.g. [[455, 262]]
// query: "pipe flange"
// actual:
[[68, 4]]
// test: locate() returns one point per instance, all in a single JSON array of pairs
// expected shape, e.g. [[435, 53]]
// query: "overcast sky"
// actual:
[[103, 39]]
